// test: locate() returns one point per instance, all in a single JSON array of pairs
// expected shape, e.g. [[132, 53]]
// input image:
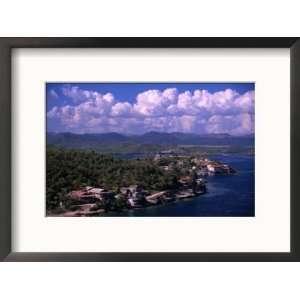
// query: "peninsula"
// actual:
[[86, 183]]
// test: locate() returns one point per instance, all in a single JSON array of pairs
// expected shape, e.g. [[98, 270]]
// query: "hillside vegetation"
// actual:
[[73, 169], [153, 142]]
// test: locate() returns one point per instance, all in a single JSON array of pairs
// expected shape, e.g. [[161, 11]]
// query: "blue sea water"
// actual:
[[227, 195]]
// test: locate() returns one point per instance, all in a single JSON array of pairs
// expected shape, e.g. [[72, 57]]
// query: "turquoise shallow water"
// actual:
[[231, 195]]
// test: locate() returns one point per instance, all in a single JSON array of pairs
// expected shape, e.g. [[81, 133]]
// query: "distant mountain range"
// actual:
[[112, 139]]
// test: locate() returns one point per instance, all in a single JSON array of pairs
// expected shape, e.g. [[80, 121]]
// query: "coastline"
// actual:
[[226, 196], [182, 196], [96, 201]]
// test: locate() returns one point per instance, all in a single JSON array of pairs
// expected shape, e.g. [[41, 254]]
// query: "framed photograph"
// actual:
[[149, 149]]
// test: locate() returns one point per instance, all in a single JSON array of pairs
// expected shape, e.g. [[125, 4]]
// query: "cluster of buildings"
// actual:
[[132, 196], [206, 167], [91, 194], [202, 166], [94, 200]]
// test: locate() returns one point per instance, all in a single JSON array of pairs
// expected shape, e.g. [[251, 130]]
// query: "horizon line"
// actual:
[[147, 132]]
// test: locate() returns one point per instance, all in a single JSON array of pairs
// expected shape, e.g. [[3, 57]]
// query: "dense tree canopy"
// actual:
[[72, 169]]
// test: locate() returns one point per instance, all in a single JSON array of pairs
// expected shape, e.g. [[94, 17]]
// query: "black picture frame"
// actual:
[[6, 46]]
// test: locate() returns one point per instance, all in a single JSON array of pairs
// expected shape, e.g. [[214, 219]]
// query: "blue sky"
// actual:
[[141, 107], [128, 91]]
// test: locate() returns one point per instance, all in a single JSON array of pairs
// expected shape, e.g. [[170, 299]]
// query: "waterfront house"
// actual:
[[211, 168], [135, 195], [217, 168], [90, 194], [155, 198]]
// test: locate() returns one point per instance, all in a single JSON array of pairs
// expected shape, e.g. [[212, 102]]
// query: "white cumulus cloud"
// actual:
[[197, 111]]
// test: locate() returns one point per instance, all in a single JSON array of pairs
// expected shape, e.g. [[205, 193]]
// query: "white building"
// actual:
[[210, 168]]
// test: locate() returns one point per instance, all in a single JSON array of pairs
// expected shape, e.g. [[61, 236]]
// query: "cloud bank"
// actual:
[[197, 111]]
